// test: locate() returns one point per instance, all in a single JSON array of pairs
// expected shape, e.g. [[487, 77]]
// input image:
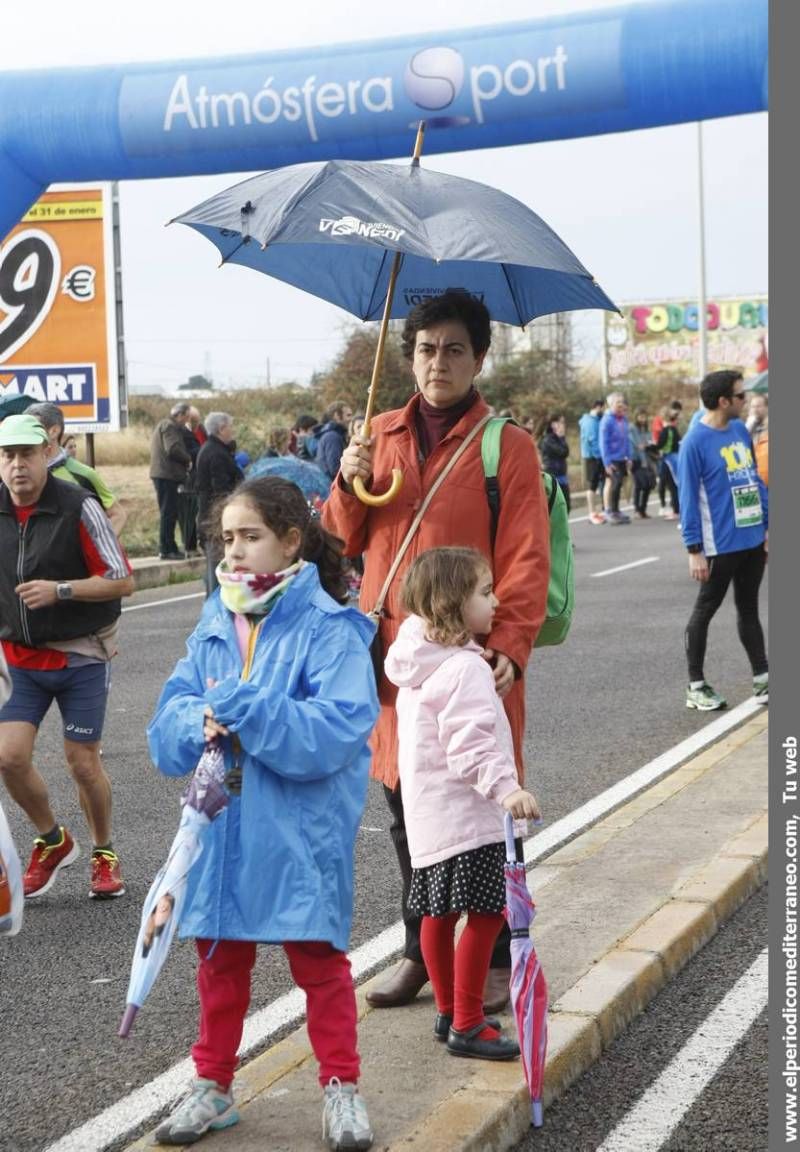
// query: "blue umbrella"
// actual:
[[311, 480], [330, 228], [204, 800], [13, 404], [377, 240]]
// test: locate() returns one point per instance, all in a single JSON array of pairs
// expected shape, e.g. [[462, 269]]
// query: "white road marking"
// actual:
[[158, 603], [139, 1107], [659, 1111], [568, 827], [625, 567]]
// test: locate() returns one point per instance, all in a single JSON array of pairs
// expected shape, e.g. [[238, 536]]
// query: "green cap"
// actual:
[[21, 429]]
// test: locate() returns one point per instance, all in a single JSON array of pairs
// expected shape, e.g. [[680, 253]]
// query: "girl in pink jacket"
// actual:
[[457, 775]]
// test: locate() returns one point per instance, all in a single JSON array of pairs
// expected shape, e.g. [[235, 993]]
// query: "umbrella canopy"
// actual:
[[759, 384], [331, 228], [311, 480], [13, 405], [204, 799], [528, 985]]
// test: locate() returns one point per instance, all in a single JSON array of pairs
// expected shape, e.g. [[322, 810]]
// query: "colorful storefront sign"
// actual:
[[58, 307], [658, 340]]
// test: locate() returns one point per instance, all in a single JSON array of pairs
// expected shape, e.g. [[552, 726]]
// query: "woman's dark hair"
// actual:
[[282, 506], [454, 304], [304, 422], [716, 385], [547, 426]]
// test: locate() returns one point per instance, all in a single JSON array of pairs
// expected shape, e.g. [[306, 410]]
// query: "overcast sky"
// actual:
[[626, 204]]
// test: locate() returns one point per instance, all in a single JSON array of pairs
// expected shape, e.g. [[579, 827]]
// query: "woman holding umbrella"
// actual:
[[446, 339]]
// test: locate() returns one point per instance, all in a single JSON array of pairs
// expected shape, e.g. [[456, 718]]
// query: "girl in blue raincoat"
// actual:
[[279, 670]]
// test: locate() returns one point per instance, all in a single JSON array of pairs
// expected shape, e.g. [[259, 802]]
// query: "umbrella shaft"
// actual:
[[376, 367]]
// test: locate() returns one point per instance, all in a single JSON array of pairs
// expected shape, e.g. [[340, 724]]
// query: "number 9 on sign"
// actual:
[[30, 268]]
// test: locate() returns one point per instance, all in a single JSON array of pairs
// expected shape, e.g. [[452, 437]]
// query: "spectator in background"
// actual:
[[70, 445], [757, 416], [196, 427], [554, 450], [594, 473], [187, 495], [278, 442], [333, 437], [659, 421], [170, 462], [216, 474], [758, 427], [669, 439], [644, 466], [66, 467], [614, 449], [300, 434], [356, 426]]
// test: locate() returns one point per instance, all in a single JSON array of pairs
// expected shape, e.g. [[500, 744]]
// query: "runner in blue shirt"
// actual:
[[724, 525]]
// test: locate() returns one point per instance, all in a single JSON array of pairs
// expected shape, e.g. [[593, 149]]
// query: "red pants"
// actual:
[[458, 974], [223, 982]]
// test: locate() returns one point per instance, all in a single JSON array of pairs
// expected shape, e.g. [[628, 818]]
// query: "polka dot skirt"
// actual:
[[470, 882]]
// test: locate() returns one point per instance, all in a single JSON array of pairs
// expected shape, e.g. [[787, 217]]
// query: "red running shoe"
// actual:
[[46, 862], [106, 879]]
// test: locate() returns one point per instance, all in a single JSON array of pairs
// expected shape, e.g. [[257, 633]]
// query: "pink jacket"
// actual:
[[455, 750]]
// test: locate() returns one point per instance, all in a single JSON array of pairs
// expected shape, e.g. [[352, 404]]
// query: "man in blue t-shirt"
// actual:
[[594, 473], [724, 515]]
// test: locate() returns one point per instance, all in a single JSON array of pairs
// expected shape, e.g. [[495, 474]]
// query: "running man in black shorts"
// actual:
[[62, 574]]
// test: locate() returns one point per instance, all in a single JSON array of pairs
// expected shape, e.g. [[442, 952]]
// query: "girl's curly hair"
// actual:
[[437, 587]]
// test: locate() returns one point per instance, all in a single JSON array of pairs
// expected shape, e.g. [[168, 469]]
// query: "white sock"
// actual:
[[762, 678], [695, 684]]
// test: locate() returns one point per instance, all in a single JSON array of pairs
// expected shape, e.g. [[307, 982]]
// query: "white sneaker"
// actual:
[[345, 1123], [205, 1107]]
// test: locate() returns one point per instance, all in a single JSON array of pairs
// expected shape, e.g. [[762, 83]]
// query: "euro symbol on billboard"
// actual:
[[79, 283]]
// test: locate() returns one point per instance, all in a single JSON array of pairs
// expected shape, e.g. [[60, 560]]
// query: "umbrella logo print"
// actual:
[[352, 226]]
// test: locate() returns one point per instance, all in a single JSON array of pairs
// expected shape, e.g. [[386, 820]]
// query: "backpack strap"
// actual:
[[490, 458]]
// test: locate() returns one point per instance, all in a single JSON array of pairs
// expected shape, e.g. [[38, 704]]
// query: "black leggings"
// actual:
[[746, 570]]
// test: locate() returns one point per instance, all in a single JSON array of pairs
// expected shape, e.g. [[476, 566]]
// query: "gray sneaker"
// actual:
[[205, 1107], [705, 699], [761, 691], [345, 1123]]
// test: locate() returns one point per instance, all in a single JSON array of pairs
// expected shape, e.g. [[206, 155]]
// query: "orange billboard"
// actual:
[[58, 337]]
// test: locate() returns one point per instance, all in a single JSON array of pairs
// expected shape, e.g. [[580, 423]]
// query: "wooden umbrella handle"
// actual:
[[360, 490]]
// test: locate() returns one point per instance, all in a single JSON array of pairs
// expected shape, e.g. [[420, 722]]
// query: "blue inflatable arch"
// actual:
[[613, 70]]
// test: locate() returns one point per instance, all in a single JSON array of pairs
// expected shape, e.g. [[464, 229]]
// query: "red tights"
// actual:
[[223, 982], [458, 973]]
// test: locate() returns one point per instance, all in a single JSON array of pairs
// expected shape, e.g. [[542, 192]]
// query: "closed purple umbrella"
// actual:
[[203, 801], [528, 985]]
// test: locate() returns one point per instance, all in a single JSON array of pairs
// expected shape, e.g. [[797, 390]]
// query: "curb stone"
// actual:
[[488, 1108]]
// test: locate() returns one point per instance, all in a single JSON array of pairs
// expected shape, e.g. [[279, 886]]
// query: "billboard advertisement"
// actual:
[[58, 338], [657, 341]]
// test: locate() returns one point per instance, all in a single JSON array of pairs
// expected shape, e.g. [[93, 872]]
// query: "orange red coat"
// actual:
[[457, 515]]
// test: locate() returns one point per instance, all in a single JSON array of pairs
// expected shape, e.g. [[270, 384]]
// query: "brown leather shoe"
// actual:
[[401, 987], [496, 989]]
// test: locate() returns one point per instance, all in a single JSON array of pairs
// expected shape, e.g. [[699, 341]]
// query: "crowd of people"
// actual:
[[423, 687]]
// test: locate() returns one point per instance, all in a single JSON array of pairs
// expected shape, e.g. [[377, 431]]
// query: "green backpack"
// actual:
[[561, 589]]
